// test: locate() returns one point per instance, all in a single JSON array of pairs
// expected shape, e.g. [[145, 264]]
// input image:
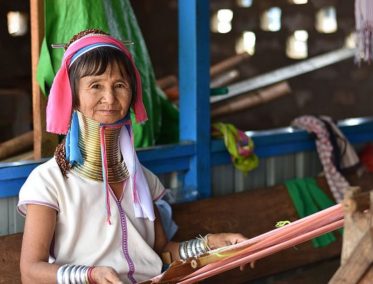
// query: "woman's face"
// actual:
[[105, 98]]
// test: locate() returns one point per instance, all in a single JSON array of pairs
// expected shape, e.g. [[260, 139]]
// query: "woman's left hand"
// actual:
[[223, 239]]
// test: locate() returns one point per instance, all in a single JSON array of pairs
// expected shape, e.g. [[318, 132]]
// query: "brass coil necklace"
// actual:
[[90, 147]]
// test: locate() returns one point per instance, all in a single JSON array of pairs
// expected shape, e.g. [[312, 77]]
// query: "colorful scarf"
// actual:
[[59, 108], [239, 146]]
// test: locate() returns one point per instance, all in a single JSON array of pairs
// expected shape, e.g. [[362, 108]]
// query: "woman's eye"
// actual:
[[120, 85], [95, 86]]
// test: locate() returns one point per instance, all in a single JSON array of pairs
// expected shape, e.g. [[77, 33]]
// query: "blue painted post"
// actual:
[[194, 90]]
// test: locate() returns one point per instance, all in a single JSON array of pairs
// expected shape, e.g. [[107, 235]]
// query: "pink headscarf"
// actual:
[[59, 108]]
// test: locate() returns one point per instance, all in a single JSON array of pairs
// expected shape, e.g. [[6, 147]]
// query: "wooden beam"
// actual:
[[44, 143], [251, 100], [285, 73], [357, 258], [357, 222], [353, 270], [16, 145]]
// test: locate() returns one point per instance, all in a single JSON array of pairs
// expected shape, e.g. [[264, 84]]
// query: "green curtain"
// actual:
[[64, 18]]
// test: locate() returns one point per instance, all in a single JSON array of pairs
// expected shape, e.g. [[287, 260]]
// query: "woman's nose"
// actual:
[[109, 96]]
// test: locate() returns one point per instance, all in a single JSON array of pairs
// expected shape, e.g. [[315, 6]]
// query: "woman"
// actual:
[[69, 236]]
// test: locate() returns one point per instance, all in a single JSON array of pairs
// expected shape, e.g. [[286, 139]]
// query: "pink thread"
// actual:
[[135, 193], [105, 172]]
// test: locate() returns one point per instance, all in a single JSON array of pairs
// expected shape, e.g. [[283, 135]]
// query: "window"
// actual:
[[350, 40], [17, 23], [271, 20], [245, 3], [221, 21], [298, 2], [326, 20], [246, 43], [296, 46]]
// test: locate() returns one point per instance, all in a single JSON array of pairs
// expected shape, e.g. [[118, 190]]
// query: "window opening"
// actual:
[[221, 22], [296, 46], [246, 43]]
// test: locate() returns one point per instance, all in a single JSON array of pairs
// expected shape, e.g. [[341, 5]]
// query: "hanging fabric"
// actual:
[[336, 181], [364, 30], [238, 144]]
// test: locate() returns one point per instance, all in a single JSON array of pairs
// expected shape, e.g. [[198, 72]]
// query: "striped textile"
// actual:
[[337, 183], [364, 30]]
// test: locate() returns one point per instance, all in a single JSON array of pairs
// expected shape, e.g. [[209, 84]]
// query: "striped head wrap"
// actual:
[[59, 107]]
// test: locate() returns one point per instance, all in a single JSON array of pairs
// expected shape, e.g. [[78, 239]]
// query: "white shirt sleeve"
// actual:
[[40, 188]]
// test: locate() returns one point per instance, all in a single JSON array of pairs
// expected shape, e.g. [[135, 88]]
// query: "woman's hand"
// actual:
[[223, 239], [105, 275]]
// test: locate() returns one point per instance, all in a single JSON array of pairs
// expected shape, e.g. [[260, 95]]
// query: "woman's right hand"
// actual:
[[105, 275]]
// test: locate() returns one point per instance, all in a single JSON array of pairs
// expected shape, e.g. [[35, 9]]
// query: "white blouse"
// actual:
[[82, 234]]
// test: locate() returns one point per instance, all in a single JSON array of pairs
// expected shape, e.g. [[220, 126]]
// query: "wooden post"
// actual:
[[357, 258], [44, 143]]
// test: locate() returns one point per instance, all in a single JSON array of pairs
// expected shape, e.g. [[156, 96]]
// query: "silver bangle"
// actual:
[[72, 274], [60, 271], [194, 247], [66, 274], [185, 245], [84, 275], [200, 247], [77, 274], [182, 252], [189, 249]]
